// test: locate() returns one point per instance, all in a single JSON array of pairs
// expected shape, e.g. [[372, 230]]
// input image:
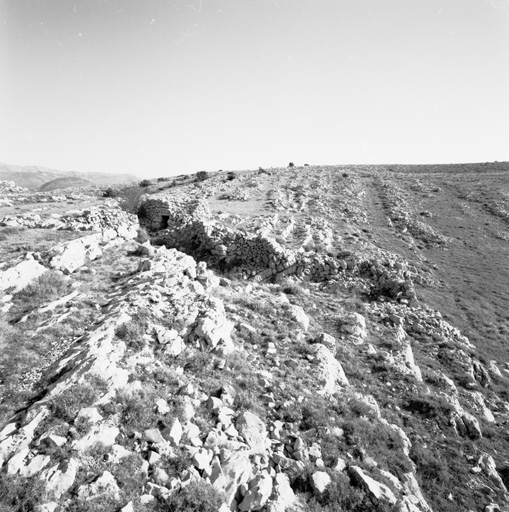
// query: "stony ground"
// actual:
[[137, 377]]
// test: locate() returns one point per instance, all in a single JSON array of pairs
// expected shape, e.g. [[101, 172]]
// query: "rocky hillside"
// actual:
[[301, 339], [33, 177]]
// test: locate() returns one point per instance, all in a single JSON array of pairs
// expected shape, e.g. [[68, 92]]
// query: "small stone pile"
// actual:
[[236, 194]]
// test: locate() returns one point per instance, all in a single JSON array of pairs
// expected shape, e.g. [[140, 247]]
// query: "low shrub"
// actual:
[[130, 198], [8, 231], [293, 289], [101, 503], [144, 183], [196, 497], [132, 331], [111, 192], [202, 175], [127, 473], [67, 404], [19, 494], [135, 415], [49, 286]]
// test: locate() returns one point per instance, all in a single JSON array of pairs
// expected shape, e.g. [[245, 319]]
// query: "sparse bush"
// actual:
[[291, 164], [144, 183], [135, 414], [101, 503], [432, 407], [202, 175], [130, 198], [179, 461], [67, 404], [127, 473], [316, 414], [132, 331], [199, 362], [7, 232], [431, 468], [19, 494], [111, 192], [49, 286], [142, 211], [293, 289], [196, 497]]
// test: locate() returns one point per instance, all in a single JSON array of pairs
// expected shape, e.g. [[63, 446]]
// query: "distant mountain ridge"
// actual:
[[34, 176]]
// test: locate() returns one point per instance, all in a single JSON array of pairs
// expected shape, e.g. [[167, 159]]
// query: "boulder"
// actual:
[[60, 478], [283, 497], [298, 314], [328, 341], [355, 326], [327, 370], [260, 489], [489, 467], [376, 491], [253, 430], [472, 425], [214, 328], [173, 432], [69, 256], [103, 485], [21, 275], [319, 481], [413, 497], [228, 475]]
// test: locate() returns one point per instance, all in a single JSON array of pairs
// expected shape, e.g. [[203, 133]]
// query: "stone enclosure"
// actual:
[[188, 225]]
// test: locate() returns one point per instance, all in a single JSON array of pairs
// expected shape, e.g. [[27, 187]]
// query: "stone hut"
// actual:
[[160, 213]]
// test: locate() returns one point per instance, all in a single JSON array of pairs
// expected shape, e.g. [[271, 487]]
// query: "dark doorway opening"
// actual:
[[164, 221]]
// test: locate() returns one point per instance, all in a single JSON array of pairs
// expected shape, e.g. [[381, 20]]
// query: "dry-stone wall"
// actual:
[[92, 219], [188, 225]]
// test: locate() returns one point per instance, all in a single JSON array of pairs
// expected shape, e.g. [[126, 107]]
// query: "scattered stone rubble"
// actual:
[[401, 216]]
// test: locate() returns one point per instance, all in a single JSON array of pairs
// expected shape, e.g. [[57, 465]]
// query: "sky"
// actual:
[[167, 87]]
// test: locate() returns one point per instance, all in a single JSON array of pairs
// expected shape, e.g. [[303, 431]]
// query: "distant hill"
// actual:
[[34, 177], [67, 182]]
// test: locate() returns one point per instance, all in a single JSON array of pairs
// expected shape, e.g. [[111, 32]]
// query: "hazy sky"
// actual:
[[164, 87]]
